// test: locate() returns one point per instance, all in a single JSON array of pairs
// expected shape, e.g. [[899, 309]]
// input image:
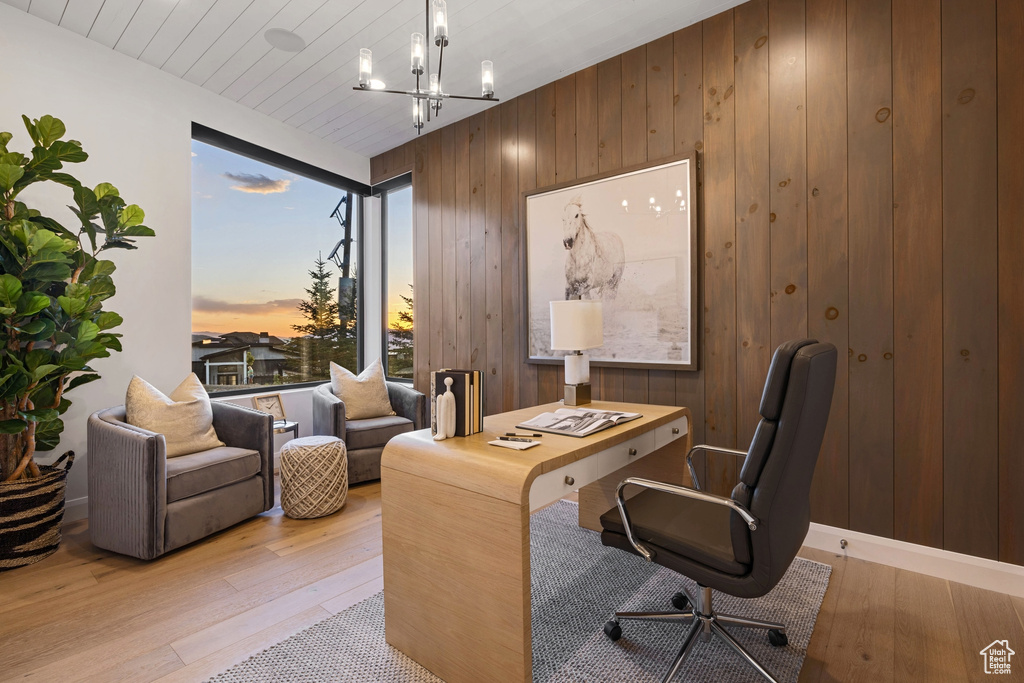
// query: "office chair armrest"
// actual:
[[712, 449], [620, 501]]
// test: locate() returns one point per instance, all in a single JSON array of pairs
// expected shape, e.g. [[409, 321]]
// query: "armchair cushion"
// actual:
[[365, 395], [185, 418], [683, 526], [375, 431], [195, 473]]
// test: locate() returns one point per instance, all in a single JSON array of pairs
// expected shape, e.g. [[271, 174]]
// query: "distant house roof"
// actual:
[[235, 340]]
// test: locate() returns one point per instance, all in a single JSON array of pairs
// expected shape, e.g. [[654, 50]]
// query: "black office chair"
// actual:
[[744, 544]]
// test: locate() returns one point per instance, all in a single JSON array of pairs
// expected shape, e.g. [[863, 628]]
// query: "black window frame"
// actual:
[[381, 190], [360, 191]]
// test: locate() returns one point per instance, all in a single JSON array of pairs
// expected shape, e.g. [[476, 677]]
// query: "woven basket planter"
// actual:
[[314, 476], [31, 513]]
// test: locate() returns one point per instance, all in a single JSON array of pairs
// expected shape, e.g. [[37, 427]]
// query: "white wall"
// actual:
[[135, 123]]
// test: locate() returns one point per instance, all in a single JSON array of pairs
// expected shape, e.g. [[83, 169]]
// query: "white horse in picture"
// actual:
[[594, 265]]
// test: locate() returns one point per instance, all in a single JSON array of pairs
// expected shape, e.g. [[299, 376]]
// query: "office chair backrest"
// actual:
[[775, 480]]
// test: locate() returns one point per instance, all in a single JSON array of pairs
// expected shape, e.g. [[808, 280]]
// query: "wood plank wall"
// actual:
[[862, 183]]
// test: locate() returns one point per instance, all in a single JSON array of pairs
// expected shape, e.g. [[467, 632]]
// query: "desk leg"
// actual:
[[456, 579]]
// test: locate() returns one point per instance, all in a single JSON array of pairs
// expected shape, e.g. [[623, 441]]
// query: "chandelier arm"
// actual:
[[440, 62], [467, 97]]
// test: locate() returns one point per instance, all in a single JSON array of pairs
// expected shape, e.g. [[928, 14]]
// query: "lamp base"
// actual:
[[577, 394]]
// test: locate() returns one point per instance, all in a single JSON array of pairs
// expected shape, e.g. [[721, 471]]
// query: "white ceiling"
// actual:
[[219, 45]]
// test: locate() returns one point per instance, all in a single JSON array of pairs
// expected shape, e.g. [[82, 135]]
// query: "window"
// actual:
[[396, 219], [274, 268]]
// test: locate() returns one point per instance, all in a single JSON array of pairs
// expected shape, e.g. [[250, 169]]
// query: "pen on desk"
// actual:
[[514, 434], [513, 438]]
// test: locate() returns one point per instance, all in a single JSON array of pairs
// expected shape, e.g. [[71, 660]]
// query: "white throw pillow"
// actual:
[[185, 418], [365, 395]]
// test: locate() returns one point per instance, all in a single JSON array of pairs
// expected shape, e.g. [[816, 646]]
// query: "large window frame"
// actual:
[[381, 191], [360, 191]]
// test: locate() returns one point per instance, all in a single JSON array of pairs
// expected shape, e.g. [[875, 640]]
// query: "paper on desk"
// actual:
[[515, 445]]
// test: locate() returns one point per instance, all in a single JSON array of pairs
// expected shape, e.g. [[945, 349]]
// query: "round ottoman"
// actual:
[[314, 476]]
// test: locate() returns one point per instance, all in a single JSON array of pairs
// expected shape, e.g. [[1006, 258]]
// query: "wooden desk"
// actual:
[[456, 525]]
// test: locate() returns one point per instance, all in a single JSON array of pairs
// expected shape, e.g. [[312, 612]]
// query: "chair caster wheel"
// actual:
[[681, 602], [778, 638], [613, 630]]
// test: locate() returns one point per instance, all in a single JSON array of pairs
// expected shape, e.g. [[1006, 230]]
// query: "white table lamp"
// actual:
[[576, 325]]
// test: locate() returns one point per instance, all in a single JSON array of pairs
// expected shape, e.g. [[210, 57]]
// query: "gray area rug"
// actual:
[[576, 585]]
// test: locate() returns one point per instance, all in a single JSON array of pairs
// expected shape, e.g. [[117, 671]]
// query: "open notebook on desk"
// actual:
[[577, 421]]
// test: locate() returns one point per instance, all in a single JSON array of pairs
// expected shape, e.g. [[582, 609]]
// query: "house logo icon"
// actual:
[[997, 657]]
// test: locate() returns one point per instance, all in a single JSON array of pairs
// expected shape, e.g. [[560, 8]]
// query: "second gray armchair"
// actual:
[[365, 439]]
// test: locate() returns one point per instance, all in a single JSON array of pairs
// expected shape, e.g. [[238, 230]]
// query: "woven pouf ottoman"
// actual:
[[314, 476]]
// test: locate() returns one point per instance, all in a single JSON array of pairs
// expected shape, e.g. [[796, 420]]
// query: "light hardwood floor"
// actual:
[[86, 614]]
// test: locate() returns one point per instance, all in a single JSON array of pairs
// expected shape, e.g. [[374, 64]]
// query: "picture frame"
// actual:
[[270, 403], [630, 238]]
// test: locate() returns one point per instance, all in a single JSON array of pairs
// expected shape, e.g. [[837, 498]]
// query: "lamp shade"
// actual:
[[576, 325]]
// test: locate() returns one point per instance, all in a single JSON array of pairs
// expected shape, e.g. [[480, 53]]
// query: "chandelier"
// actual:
[[426, 100]]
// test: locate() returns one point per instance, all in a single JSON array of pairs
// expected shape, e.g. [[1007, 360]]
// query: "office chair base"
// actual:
[[705, 622]]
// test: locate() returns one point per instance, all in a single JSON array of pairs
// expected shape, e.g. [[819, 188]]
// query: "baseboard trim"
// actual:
[[944, 564], [76, 509]]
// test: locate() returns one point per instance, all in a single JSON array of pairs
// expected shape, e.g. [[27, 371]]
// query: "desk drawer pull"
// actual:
[[632, 451], [675, 430], [569, 481]]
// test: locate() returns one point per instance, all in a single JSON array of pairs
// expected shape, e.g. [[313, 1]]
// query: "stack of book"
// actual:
[[467, 385]]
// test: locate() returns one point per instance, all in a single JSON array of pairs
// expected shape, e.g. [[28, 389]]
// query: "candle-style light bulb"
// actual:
[[365, 67], [417, 52], [487, 78], [417, 114], [439, 12], [434, 86]]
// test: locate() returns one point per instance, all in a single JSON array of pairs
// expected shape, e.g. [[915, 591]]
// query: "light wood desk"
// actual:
[[456, 525]]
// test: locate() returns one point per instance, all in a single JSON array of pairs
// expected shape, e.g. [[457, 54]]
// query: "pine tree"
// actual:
[[320, 336], [400, 341]]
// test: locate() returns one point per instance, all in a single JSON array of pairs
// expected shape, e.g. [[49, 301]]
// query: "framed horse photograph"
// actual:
[[629, 239]]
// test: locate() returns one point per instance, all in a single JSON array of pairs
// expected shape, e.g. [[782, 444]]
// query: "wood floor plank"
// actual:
[[146, 667], [983, 617], [203, 643], [861, 644], [814, 660], [354, 596], [927, 640], [237, 652]]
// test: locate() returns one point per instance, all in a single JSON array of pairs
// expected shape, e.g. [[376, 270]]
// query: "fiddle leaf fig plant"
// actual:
[[53, 285]]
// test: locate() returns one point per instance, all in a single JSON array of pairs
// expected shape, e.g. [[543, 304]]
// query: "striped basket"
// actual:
[[31, 512]]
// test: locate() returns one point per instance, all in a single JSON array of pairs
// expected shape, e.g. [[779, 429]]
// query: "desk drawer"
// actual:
[[617, 457], [666, 434], [547, 488]]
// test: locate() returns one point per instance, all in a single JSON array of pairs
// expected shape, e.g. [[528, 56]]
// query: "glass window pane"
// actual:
[[398, 281], [273, 301]]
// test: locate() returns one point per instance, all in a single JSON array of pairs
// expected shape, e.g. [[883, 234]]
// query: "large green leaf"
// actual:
[[10, 290], [82, 379], [87, 331], [40, 328], [73, 307], [86, 201], [12, 426], [137, 231], [69, 151], [77, 290], [10, 174], [130, 216], [39, 414], [13, 158], [31, 128], [97, 267], [30, 303], [103, 189], [44, 161], [102, 287], [48, 272], [5, 137], [49, 130], [48, 434], [52, 225], [108, 320]]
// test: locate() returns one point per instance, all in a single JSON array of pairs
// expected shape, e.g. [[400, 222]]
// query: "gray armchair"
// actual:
[[143, 504], [365, 439]]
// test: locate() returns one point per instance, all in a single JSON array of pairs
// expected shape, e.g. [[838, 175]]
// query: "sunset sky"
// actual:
[[256, 232]]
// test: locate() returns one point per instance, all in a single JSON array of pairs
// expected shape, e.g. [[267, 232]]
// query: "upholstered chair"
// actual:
[[144, 504], [365, 439]]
